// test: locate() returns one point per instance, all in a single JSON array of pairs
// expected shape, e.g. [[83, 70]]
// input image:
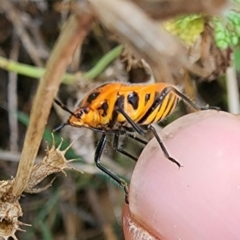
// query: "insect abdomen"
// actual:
[[146, 104]]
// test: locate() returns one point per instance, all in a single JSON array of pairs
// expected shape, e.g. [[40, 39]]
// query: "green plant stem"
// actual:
[[103, 63], [237, 58], [37, 72]]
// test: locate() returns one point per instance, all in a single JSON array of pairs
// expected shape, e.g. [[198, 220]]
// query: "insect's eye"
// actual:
[[86, 110], [79, 114]]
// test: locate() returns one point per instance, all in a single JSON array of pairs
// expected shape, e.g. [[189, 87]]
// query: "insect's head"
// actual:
[[81, 117]]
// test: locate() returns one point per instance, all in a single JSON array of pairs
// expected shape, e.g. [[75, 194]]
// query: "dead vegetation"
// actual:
[[82, 206]]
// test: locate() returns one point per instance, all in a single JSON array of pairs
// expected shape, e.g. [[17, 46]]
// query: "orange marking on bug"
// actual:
[[119, 107]]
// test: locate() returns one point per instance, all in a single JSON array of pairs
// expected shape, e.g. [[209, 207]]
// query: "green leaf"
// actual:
[[187, 28], [227, 31]]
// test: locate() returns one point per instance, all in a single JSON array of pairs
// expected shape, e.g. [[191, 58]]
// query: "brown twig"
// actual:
[[72, 35], [162, 9], [15, 17], [147, 39], [42, 49], [163, 52], [97, 209], [12, 99]]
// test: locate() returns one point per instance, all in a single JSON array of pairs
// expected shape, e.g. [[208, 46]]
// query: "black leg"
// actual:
[[190, 102], [98, 154], [137, 138], [119, 149], [131, 122], [153, 130]]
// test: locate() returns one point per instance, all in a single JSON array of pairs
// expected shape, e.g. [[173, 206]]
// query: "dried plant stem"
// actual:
[[232, 89], [142, 34], [14, 16], [13, 100], [95, 205], [162, 9], [73, 34], [149, 40]]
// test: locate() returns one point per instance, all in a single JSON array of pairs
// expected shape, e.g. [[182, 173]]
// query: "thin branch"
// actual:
[[9, 156], [12, 99], [71, 37], [232, 90], [162, 51], [14, 16], [163, 9]]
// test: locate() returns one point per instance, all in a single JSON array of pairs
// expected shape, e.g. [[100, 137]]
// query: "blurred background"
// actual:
[[89, 205]]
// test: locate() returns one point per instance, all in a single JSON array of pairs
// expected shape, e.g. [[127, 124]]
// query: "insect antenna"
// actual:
[[59, 127], [65, 108]]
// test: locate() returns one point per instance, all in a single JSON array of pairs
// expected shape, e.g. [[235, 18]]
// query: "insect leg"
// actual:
[[132, 123], [189, 101], [119, 149], [98, 154], [137, 138], [153, 130], [135, 126]]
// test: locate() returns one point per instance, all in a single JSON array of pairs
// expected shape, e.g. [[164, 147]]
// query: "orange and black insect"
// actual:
[[120, 108]]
